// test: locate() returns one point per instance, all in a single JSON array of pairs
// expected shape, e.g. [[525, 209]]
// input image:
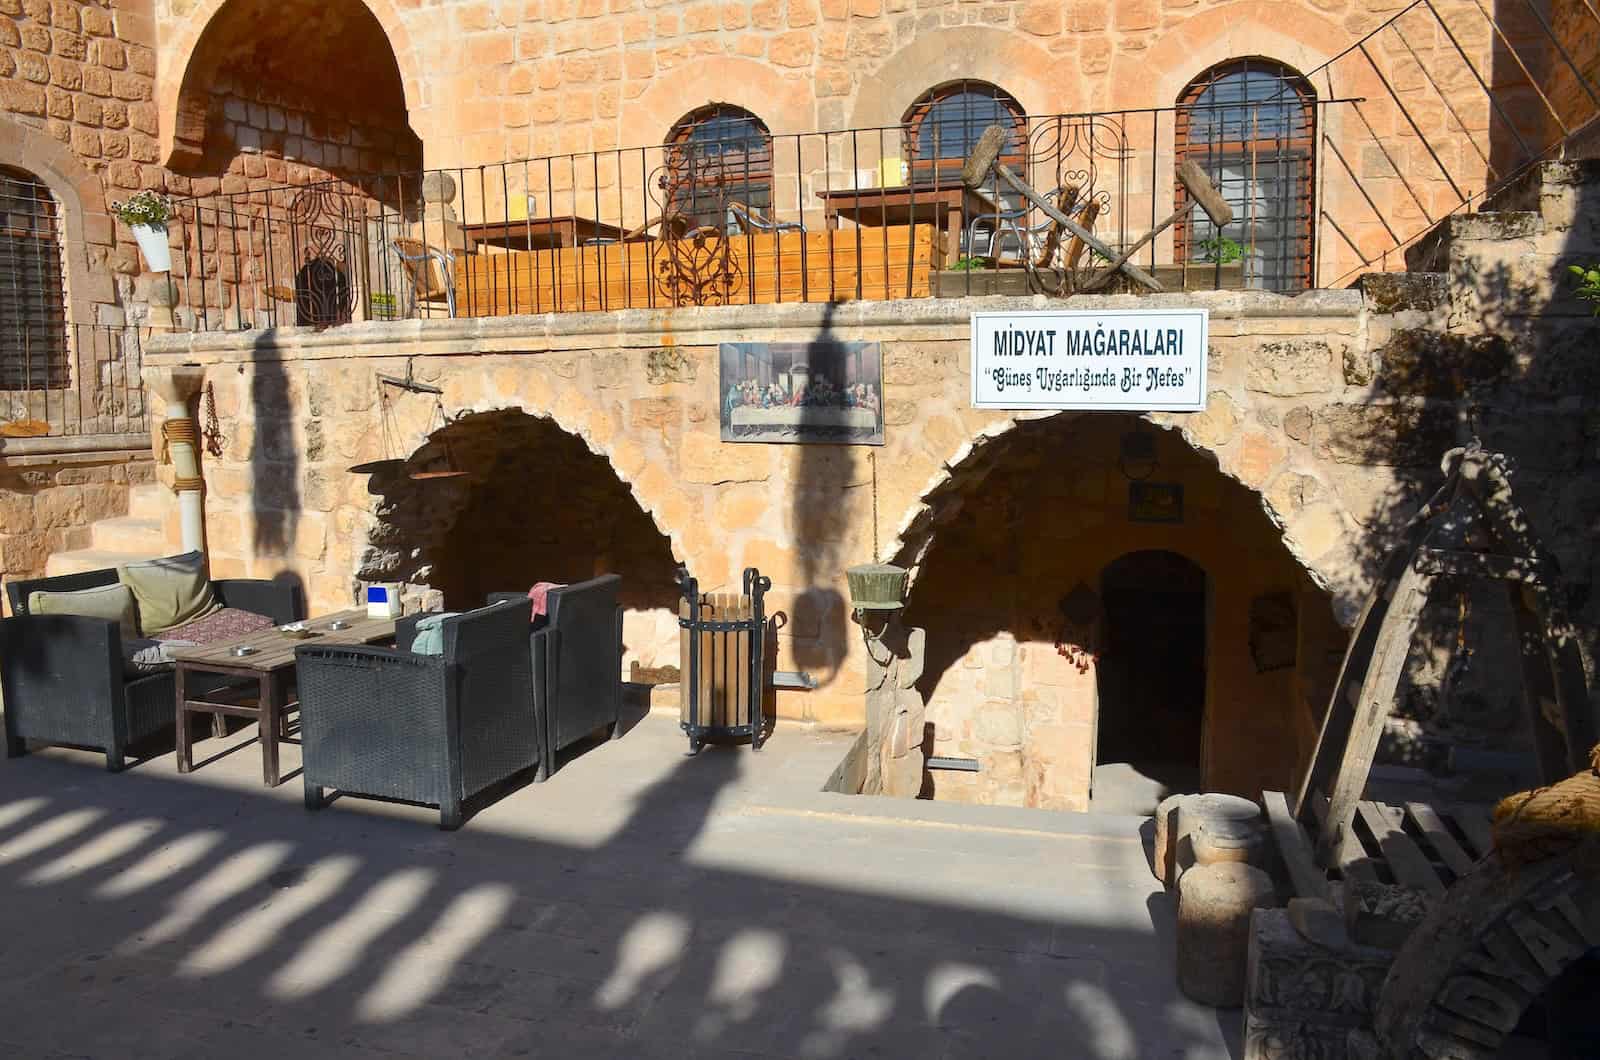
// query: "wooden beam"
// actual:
[[1294, 846], [1474, 824], [1350, 857], [1405, 859], [1428, 821], [1322, 772], [1390, 647]]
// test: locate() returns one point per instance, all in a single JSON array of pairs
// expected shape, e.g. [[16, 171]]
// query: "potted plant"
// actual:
[[147, 214]]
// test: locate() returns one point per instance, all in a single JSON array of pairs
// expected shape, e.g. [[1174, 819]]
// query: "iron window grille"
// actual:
[[717, 154], [33, 314], [1251, 125], [944, 125]]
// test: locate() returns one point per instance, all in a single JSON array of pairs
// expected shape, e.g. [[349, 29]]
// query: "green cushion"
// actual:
[[430, 634], [114, 602], [170, 591]]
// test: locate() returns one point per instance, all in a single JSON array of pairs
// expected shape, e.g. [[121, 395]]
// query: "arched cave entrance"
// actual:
[[1151, 679], [1076, 572], [255, 98], [532, 504]]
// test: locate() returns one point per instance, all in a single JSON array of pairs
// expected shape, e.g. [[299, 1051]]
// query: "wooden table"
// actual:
[[271, 668], [541, 233], [947, 207]]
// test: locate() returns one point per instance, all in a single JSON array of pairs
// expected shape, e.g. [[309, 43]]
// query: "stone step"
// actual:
[[129, 534], [79, 560], [1461, 236], [1395, 292], [150, 500]]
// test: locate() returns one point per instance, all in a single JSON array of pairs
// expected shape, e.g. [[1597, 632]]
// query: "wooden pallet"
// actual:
[[1417, 845]]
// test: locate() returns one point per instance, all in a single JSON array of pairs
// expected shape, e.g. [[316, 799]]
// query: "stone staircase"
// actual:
[[1507, 261], [141, 534]]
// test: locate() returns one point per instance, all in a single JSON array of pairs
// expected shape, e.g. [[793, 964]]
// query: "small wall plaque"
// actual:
[[1155, 502]]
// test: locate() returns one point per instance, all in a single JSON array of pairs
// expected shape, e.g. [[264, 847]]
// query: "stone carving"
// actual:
[[896, 654], [1477, 961], [1303, 999]]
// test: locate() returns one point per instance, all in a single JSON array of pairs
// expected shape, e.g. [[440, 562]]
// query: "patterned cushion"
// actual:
[[226, 624]]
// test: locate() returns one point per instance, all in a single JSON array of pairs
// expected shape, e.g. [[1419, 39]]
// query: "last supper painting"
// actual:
[[802, 392]]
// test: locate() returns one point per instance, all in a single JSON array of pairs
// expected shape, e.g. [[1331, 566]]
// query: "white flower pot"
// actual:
[[153, 243]]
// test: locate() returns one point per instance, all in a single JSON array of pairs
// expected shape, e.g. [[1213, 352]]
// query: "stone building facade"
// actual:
[[1325, 420], [590, 441]]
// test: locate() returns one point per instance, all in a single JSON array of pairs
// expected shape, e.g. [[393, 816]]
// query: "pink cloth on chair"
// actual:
[[539, 594]]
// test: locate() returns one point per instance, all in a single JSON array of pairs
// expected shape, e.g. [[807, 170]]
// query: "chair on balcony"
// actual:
[[742, 218], [1035, 244], [431, 271]]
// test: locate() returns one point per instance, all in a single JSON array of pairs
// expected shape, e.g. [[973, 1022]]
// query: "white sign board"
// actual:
[[1113, 360]]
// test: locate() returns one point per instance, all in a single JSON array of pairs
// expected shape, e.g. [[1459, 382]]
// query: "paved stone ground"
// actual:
[[640, 904]]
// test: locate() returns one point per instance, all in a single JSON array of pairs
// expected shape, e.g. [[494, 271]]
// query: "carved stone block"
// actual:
[[1303, 999]]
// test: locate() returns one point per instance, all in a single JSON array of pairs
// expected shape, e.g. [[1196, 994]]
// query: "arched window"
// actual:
[[1250, 124], [944, 125], [715, 155], [33, 313]]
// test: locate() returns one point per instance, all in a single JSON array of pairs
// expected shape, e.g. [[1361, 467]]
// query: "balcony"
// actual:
[[740, 216]]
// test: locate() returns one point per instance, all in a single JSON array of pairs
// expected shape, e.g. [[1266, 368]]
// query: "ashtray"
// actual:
[[339, 623], [244, 649]]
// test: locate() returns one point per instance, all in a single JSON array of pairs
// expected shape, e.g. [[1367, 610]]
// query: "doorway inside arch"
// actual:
[[1150, 681]]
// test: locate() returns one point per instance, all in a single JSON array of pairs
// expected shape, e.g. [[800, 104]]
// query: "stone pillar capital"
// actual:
[[174, 385]]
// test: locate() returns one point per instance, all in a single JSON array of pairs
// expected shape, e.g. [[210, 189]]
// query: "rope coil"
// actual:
[[1536, 824]]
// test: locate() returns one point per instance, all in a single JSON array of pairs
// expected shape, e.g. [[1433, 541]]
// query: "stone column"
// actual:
[[895, 711], [160, 294], [175, 387]]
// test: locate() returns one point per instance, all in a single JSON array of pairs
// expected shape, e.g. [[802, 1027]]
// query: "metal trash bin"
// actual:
[[721, 646]]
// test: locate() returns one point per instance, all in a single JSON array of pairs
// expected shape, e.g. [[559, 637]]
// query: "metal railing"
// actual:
[[74, 379], [1329, 174], [827, 216]]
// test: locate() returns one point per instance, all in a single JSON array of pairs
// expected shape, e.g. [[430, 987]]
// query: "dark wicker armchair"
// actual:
[[64, 679], [577, 664], [431, 729]]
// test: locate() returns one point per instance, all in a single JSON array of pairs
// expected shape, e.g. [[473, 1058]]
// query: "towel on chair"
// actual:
[[539, 595]]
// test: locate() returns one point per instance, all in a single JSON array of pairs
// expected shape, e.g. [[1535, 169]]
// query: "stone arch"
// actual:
[[519, 498], [1231, 31], [86, 223], [1045, 495], [1498, 939], [1317, 533], [1010, 62], [191, 64], [782, 103]]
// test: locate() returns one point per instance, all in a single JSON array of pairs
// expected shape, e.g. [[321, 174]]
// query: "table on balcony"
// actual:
[[541, 233], [947, 207]]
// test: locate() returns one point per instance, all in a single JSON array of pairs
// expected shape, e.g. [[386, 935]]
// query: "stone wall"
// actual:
[[49, 499], [77, 110], [1317, 413], [1014, 685]]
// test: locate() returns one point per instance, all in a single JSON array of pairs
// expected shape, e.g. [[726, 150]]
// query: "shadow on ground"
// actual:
[[148, 915]]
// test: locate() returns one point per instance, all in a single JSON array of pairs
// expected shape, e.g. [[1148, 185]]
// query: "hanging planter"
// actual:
[[146, 215]]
